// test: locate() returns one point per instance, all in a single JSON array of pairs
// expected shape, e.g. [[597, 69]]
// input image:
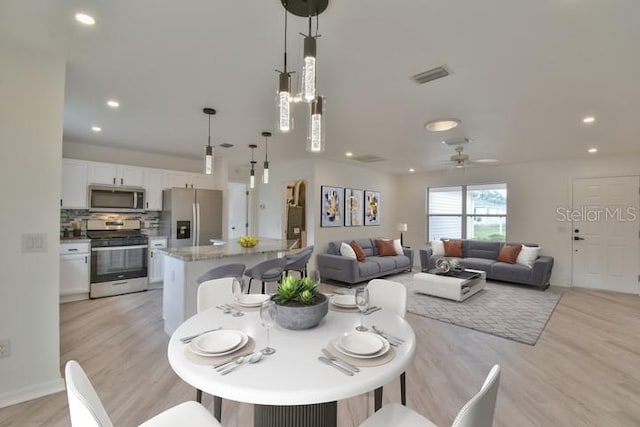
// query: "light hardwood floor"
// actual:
[[584, 371]]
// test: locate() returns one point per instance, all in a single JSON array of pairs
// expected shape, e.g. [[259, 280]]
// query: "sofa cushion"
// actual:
[[482, 264], [437, 246], [360, 255], [452, 248], [402, 261], [368, 268], [482, 249], [386, 263], [510, 272], [528, 255], [368, 245], [398, 247], [509, 253], [347, 251], [385, 247]]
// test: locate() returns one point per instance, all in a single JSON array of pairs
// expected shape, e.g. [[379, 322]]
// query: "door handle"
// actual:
[[578, 238]]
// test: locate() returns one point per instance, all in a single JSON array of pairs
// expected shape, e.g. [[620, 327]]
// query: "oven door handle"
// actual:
[[119, 248]]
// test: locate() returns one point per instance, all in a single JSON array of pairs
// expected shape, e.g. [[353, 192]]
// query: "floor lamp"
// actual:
[[401, 228]]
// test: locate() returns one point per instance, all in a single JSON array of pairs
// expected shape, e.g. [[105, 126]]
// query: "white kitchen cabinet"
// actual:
[[74, 271], [156, 261], [200, 180], [177, 179], [153, 185], [112, 174], [74, 184]]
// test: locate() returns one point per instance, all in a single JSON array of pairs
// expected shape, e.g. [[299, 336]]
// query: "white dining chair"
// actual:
[[477, 412], [391, 296], [86, 409], [214, 292]]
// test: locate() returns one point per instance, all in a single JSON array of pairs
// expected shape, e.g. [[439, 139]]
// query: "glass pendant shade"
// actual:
[[252, 179], [265, 173], [315, 138], [208, 160], [284, 102], [309, 70]]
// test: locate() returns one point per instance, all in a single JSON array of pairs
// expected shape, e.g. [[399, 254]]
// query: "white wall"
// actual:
[[31, 110], [535, 191]]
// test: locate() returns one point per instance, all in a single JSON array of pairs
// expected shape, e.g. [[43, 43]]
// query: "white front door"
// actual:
[[606, 233], [237, 210]]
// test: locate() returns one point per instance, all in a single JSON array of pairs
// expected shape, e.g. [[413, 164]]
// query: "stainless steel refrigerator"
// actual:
[[191, 217]]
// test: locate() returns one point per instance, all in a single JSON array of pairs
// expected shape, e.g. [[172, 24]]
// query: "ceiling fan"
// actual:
[[461, 160]]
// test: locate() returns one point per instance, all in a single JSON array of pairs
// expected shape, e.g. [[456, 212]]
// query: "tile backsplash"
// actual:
[[149, 220]]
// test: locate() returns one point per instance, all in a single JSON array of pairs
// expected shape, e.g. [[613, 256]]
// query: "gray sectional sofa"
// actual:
[[334, 266], [482, 255]]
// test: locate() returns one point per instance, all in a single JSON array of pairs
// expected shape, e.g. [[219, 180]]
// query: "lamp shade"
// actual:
[[402, 227]]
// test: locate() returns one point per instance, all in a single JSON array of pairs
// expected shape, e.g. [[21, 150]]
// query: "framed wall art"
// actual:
[[332, 206], [353, 207], [372, 204]]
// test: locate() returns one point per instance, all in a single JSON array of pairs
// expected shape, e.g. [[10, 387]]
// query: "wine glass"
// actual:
[[362, 302], [268, 318], [315, 276], [237, 288]]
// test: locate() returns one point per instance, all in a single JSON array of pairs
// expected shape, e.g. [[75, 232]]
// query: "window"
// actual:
[[468, 212]]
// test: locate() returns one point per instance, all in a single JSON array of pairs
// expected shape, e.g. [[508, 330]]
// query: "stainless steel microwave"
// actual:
[[116, 199]]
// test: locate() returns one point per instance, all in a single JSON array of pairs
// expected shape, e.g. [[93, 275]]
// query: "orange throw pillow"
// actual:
[[385, 248], [509, 253], [360, 255], [453, 248]]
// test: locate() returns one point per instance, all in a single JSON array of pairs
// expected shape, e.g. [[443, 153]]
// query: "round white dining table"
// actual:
[[292, 380]]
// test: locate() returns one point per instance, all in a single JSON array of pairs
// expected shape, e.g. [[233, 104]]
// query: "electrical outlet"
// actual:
[[5, 348]]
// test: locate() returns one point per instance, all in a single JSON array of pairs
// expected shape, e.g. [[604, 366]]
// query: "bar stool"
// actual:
[[266, 271], [227, 270], [298, 262]]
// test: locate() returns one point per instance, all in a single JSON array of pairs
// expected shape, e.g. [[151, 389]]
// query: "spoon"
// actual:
[[238, 360], [255, 358]]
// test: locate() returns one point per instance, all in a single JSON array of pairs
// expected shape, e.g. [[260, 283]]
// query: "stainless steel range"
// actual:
[[118, 257]]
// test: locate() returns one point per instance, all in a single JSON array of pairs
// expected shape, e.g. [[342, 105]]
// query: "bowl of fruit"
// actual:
[[248, 241]]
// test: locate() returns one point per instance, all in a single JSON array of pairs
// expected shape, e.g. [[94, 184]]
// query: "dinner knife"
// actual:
[[372, 310], [190, 338], [335, 365], [339, 360]]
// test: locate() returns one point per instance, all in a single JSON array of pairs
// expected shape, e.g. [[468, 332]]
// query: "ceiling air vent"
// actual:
[[226, 145], [368, 158], [432, 74]]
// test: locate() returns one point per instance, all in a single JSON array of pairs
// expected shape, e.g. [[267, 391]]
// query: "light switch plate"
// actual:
[[34, 242]]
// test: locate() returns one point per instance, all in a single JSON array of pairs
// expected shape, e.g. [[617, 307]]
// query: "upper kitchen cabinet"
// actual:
[[111, 174], [153, 185], [200, 180], [74, 184], [177, 179]]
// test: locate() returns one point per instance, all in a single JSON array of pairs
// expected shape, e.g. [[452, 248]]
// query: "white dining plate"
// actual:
[[218, 343], [345, 301], [252, 300], [385, 348], [361, 343]]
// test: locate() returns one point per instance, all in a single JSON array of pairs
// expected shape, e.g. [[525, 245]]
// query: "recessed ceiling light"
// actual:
[[412, 170], [113, 103], [96, 128], [85, 19], [593, 150], [442, 125], [348, 154], [589, 119]]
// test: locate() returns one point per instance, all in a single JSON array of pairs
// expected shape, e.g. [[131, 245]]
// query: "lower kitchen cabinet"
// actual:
[[74, 271], [156, 261]]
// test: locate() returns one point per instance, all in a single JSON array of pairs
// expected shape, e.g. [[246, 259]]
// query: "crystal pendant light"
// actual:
[[309, 67], [283, 99], [265, 174], [252, 174], [208, 150], [315, 138]]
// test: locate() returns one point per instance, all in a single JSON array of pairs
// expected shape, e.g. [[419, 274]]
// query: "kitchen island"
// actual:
[[183, 266]]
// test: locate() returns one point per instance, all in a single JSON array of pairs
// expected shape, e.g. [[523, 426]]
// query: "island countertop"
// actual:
[[230, 249]]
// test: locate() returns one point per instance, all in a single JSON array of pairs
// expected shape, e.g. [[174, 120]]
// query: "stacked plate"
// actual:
[[362, 345], [344, 301], [252, 300], [219, 342]]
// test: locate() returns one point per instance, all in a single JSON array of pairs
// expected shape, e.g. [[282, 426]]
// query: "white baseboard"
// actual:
[[31, 392]]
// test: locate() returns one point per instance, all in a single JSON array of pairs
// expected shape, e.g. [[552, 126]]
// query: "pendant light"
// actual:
[[309, 66], [208, 150], [265, 174], [283, 99], [252, 175], [315, 137]]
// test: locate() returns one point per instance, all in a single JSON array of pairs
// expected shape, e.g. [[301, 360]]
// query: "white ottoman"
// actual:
[[449, 287]]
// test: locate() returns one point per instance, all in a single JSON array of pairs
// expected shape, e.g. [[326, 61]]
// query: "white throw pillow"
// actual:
[[528, 255], [438, 247], [347, 251], [398, 247]]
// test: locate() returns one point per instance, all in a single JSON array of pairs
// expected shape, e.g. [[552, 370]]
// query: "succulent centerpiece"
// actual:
[[299, 304]]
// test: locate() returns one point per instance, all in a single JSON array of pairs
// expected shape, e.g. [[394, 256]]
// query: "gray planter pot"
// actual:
[[302, 316]]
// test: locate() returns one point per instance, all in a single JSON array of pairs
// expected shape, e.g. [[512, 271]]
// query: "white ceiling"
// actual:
[[525, 73]]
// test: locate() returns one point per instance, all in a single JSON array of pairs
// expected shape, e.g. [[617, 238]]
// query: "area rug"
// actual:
[[517, 313]]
